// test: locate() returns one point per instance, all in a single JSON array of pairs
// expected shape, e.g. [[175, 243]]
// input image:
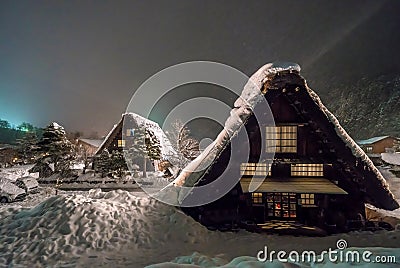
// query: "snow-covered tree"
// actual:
[[55, 146], [145, 145], [153, 146], [186, 146], [102, 163], [117, 163], [27, 147]]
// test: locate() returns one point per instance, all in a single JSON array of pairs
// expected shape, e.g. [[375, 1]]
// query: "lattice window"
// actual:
[[121, 143], [307, 200], [307, 170], [281, 139], [255, 169], [257, 198]]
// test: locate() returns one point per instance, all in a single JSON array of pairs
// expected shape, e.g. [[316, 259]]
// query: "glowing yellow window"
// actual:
[[121, 143], [281, 139], [255, 169], [307, 199], [257, 198], [307, 170]]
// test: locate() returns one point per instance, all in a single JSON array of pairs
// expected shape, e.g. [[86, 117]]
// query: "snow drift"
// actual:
[[120, 229]]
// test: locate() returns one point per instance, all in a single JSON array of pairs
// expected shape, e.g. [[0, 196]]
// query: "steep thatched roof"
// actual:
[[272, 77]]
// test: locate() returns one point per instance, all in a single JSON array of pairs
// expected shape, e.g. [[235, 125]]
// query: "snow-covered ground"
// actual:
[[129, 229], [391, 158], [120, 229]]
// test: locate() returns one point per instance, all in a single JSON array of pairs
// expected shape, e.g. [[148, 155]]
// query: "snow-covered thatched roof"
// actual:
[[378, 190], [93, 142], [165, 145]]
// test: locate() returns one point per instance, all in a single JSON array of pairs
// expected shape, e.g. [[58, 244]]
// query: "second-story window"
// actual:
[[307, 170], [281, 139], [255, 169]]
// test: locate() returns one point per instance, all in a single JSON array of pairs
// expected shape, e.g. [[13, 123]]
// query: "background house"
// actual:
[[89, 145], [377, 145]]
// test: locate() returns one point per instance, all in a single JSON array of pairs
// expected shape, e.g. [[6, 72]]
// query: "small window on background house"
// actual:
[[255, 169], [307, 170], [257, 198], [121, 143], [281, 139], [307, 199], [130, 132], [369, 149]]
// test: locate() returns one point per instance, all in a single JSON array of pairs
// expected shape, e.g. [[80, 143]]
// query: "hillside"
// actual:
[[366, 108]]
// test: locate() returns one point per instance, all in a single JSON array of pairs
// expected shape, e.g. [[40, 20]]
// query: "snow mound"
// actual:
[[197, 260], [62, 228]]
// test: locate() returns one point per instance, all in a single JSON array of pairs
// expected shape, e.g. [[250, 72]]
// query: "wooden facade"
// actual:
[[377, 145], [314, 177]]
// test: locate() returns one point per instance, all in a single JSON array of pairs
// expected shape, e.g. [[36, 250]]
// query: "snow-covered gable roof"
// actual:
[[10, 188], [92, 142], [106, 139], [372, 140], [243, 109], [166, 147]]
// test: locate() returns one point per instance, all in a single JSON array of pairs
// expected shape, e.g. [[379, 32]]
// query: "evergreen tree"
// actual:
[[144, 145], [117, 163], [102, 164], [153, 147], [138, 148], [27, 147], [55, 145]]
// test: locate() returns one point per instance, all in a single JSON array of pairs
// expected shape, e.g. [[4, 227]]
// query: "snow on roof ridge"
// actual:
[[106, 137], [356, 150], [166, 147], [240, 112], [93, 142], [243, 106]]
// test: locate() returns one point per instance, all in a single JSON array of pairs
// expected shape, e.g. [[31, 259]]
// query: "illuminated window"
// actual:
[[369, 149], [307, 170], [281, 139], [257, 198], [255, 169], [281, 205], [307, 200], [130, 132], [121, 143]]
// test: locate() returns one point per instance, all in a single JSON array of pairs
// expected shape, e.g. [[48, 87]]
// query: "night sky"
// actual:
[[79, 62]]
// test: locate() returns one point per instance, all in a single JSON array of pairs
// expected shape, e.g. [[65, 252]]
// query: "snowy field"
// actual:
[[129, 229]]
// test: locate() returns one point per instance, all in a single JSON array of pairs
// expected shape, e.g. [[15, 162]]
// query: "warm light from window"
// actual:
[[281, 139], [255, 169], [307, 199], [121, 143], [257, 198], [308, 170]]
